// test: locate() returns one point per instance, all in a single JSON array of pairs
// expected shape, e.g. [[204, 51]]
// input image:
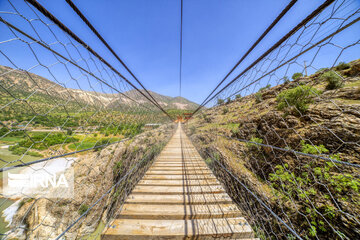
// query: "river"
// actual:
[[6, 155]]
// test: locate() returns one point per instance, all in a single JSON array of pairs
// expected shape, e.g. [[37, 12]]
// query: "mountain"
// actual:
[[20, 84], [165, 101]]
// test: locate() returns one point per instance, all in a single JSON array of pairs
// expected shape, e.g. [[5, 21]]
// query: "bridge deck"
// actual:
[[179, 198]]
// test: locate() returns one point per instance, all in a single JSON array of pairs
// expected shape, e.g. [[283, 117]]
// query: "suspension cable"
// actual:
[[277, 44], [50, 16], [87, 22], [271, 26], [299, 54], [66, 59], [181, 29]]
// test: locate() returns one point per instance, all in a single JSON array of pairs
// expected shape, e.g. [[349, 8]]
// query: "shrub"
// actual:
[[322, 70], [69, 131], [207, 119], [18, 150], [342, 66], [216, 156], [100, 143], [264, 88], [334, 81], [258, 97], [238, 96], [228, 100], [83, 208], [208, 160], [312, 149], [192, 130], [118, 166], [235, 131], [254, 146], [225, 110], [3, 131], [311, 180], [296, 99], [220, 101], [296, 75]]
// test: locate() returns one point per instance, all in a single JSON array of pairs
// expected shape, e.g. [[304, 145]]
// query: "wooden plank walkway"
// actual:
[[179, 198]]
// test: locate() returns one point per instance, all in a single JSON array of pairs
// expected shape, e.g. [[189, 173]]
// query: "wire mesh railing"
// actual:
[[65, 110], [288, 155], [282, 134]]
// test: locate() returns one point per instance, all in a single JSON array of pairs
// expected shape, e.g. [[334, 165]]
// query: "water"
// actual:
[[7, 206], [6, 212], [5, 203]]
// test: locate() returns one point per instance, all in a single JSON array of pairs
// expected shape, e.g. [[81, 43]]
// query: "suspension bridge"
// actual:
[[179, 198], [262, 157]]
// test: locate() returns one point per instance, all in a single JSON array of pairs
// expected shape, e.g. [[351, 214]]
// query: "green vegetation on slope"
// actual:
[[319, 198]]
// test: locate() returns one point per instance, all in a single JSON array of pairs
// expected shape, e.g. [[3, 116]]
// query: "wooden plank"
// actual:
[[180, 172], [179, 199], [178, 168], [178, 177], [179, 164], [182, 182], [161, 190], [135, 229], [158, 211]]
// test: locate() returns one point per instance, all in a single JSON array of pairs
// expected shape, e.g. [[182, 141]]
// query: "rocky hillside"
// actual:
[[116, 168], [317, 115], [21, 84]]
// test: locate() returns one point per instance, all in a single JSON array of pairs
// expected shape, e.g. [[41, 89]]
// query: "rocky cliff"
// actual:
[[319, 198], [106, 176]]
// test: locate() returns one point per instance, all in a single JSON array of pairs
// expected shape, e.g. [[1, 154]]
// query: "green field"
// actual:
[[11, 140], [8, 156]]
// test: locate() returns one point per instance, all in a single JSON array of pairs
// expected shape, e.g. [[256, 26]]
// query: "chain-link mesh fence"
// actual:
[[283, 135], [62, 108]]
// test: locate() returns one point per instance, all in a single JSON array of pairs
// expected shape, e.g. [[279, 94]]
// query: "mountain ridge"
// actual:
[[15, 80]]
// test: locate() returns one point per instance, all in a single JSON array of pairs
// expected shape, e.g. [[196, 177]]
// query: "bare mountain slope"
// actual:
[[22, 85]]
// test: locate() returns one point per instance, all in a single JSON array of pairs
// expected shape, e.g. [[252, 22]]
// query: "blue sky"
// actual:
[[145, 34]]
